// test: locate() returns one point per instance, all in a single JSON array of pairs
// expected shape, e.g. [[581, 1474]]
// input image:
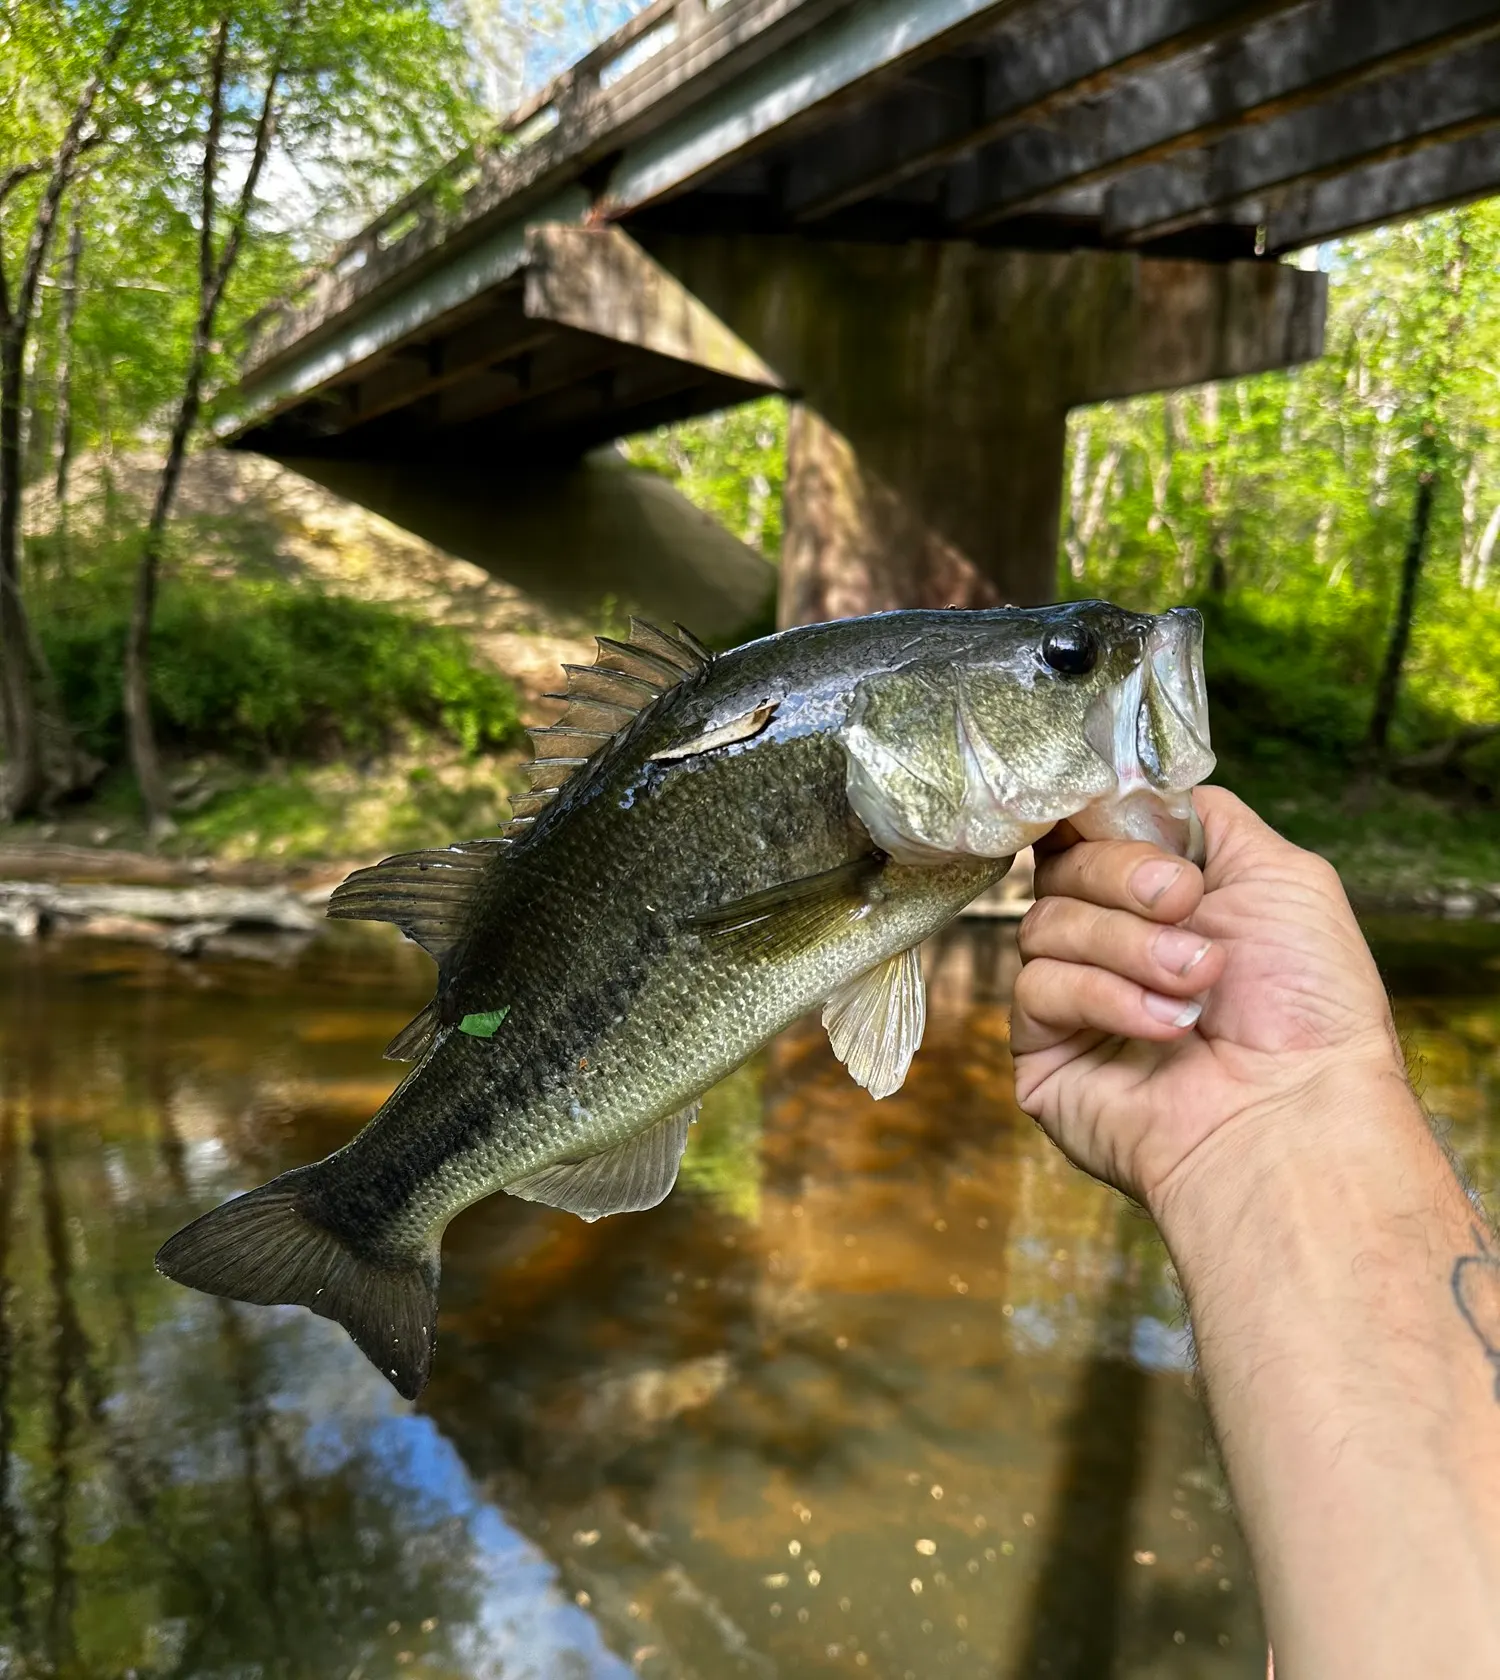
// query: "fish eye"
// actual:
[[1072, 650]]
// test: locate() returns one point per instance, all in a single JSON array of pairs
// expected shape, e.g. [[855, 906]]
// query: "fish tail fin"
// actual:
[[267, 1247]]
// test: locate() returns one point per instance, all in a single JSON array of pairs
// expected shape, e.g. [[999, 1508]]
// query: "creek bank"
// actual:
[[201, 907]]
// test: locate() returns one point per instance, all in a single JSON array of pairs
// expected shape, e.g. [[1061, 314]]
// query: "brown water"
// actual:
[[883, 1390]]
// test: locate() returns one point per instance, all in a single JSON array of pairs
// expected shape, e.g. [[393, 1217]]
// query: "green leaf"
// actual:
[[485, 1024]]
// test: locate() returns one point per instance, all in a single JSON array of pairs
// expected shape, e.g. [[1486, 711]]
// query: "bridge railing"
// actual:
[[611, 84]]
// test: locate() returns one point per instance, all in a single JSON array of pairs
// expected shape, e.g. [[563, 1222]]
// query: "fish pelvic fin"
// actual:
[[627, 1178], [266, 1248], [875, 1023]]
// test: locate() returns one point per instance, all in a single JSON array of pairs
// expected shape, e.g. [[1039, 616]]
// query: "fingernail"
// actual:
[[1178, 951], [1172, 1012], [1152, 879]]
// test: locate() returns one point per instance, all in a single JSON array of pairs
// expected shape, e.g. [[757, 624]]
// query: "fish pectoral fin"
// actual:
[[875, 1023], [428, 895], [797, 916], [631, 1176]]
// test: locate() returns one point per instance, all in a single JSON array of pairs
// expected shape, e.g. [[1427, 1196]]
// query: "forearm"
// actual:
[[1352, 1376]]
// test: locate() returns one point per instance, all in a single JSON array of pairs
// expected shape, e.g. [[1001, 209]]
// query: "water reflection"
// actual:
[[883, 1389]]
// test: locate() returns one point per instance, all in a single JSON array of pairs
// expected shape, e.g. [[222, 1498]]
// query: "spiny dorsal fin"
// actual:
[[603, 699], [428, 895]]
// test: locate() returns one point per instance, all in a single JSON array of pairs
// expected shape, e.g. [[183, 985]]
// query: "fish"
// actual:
[[712, 845]]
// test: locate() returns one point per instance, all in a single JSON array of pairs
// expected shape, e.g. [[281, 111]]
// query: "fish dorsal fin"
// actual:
[[875, 1023], [428, 895], [631, 1176], [603, 699]]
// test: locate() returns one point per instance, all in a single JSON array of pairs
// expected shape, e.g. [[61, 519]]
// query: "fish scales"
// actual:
[[774, 830]]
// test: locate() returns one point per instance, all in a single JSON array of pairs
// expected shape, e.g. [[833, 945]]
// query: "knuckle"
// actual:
[[1036, 925]]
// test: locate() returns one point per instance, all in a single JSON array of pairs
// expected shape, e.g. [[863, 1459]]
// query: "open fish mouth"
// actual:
[[982, 759], [1153, 732]]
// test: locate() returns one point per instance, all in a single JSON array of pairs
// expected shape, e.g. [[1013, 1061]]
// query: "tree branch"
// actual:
[[16, 174], [62, 169], [265, 129], [206, 264]]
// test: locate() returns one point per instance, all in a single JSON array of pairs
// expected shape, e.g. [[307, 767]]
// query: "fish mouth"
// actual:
[[1152, 730]]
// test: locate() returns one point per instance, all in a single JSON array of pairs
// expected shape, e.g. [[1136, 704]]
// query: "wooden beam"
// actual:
[[1034, 65], [403, 379], [363, 331], [1387, 191], [1282, 65], [1448, 99], [598, 280], [870, 38]]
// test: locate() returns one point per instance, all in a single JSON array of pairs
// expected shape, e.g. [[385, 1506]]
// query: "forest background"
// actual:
[[168, 167]]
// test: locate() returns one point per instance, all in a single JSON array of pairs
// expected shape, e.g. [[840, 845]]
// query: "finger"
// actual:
[[1123, 875], [1053, 1000], [1056, 839], [1165, 959]]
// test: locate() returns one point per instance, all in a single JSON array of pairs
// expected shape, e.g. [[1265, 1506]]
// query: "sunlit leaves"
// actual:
[[1301, 483]]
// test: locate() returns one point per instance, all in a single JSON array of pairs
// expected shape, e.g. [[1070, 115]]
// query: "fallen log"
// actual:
[[176, 918]]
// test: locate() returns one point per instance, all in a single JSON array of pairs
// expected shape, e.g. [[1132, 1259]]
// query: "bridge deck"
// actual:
[[1203, 128]]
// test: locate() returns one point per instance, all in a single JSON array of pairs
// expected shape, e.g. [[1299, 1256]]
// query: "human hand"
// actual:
[[1160, 1005]]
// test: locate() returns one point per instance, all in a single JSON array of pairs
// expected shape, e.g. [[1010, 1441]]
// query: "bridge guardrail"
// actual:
[[586, 99]]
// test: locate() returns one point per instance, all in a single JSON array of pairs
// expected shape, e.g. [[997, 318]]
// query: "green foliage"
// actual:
[[371, 96], [731, 464], [257, 666], [1287, 499]]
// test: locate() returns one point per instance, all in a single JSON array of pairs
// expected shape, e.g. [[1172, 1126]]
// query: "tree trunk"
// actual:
[[1411, 572], [213, 277], [26, 782], [144, 756], [23, 782], [63, 430]]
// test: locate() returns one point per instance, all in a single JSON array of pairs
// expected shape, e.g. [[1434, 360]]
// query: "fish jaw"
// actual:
[[931, 773], [1153, 729]]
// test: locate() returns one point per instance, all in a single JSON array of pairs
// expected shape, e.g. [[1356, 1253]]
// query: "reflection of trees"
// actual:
[[69, 1348], [13, 1584], [164, 1509]]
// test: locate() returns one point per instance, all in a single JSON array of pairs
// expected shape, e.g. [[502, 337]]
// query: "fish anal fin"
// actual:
[[796, 916], [265, 1247], [875, 1023], [428, 895], [631, 1176]]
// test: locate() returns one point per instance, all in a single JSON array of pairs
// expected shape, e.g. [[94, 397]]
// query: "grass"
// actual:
[[258, 666], [303, 726], [1390, 843], [1290, 703]]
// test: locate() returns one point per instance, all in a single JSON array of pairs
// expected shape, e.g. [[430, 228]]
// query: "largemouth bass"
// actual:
[[712, 845]]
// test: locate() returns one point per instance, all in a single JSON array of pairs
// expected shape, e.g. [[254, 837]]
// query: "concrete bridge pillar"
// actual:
[[933, 382]]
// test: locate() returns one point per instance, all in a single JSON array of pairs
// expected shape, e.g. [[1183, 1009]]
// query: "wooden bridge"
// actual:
[[937, 224]]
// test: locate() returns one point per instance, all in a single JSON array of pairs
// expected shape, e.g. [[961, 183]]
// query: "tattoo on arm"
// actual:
[[1476, 1289]]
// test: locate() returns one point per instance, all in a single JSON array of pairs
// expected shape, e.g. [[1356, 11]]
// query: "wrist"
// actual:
[[1343, 1120]]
